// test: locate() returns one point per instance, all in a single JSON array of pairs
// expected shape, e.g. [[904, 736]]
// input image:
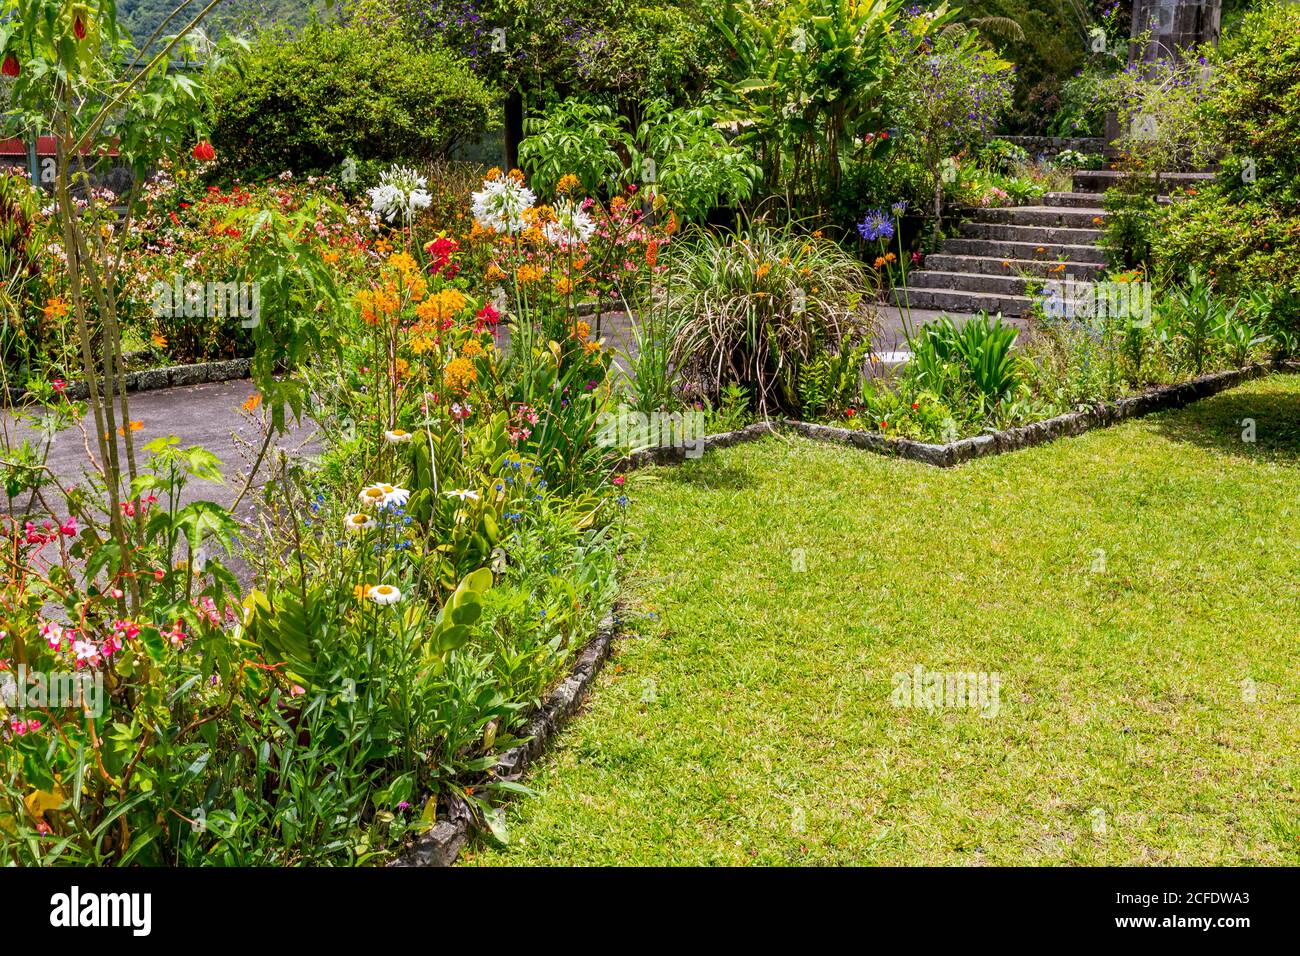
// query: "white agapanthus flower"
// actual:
[[401, 193], [501, 203], [572, 225]]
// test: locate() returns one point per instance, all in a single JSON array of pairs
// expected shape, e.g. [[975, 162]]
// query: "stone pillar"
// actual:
[[1175, 25]]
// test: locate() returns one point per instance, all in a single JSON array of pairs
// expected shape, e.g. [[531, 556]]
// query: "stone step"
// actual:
[[985, 265], [1099, 180], [956, 301], [1081, 218], [1073, 200], [1037, 234], [970, 282], [1053, 252]]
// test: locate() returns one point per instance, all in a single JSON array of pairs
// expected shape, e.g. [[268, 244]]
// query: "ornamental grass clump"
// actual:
[[758, 303]]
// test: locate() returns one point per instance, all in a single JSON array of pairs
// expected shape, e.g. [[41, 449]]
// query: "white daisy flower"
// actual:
[[384, 594], [374, 494], [359, 521], [464, 494], [397, 436], [395, 496]]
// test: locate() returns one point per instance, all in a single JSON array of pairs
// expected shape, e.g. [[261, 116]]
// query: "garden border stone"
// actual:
[[442, 844], [948, 455], [153, 379]]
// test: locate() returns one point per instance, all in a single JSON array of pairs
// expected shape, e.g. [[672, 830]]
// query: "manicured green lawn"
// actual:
[[750, 721]]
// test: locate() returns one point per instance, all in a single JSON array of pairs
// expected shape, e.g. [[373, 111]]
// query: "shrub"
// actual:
[[759, 303], [952, 92], [307, 103]]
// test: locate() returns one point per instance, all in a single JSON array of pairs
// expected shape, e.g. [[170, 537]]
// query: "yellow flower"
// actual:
[[763, 270], [460, 374], [567, 184], [493, 173], [581, 331], [472, 348], [159, 340], [564, 285]]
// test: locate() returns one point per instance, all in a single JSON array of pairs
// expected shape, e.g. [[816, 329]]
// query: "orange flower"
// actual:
[[880, 262], [441, 307], [472, 348], [651, 253], [134, 426], [529, 273], [567, 184], [460, 374], [563, 285], [56, 308], [253, 401], [581, 331], [763, 270]]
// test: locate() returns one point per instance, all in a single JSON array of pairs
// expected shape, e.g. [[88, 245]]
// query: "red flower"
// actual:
[[79, 28], [11, 67], [618, 479], [440, 251], [915, 406], [59, 384], [884, 425], [487, 317], [849, 413], [204, 152]]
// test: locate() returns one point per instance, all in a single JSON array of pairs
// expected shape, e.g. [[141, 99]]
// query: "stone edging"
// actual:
[[442, 844], [966, 449], [152, 379], [1037, 433]]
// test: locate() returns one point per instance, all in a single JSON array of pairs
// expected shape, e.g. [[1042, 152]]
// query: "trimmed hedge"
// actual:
[[306, 102]]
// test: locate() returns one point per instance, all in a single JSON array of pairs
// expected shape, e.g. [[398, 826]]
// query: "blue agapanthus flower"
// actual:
[[899, 208], [876, 225]]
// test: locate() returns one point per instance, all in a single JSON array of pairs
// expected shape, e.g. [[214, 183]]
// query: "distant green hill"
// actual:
[[142, 17]]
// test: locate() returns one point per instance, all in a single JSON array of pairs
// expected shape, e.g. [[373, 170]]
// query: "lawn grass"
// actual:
[[749, 720]]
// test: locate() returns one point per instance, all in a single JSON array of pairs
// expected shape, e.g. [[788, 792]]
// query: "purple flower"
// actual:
[[875, 226]]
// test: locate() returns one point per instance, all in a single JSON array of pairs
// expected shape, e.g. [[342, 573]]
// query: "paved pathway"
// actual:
[[210, 415]]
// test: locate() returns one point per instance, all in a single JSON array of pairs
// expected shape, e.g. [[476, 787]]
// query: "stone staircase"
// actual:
[[1000, 250]]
